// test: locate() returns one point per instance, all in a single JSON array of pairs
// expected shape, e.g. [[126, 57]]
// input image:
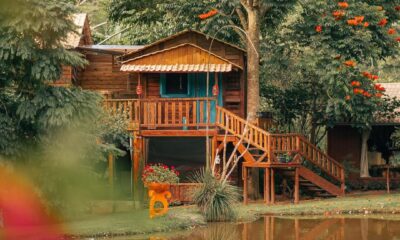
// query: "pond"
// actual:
[[282, 228]]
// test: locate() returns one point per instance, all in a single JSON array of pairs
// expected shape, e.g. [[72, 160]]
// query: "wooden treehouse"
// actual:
[[174, 107]]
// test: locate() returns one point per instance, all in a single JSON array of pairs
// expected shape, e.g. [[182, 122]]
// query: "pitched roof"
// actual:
[[179, 34], [185, 57], [73, 39]]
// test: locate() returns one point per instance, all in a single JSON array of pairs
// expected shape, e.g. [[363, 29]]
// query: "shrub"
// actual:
[[215, 198], [160, 173]]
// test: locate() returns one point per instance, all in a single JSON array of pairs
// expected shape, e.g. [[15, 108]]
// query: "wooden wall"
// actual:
[[344, 144], [65, 78], [102, 74]]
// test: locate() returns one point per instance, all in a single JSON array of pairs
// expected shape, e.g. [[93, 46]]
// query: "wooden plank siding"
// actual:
[[65, 78], [102, 73]]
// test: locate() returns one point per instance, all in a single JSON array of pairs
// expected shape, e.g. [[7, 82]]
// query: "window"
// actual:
[[175, 85]]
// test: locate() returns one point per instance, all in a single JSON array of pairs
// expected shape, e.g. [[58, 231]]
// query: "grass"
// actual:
[[178, 218]]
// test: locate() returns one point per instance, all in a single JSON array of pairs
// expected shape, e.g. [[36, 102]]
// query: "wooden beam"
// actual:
[[267, 186], [244, 169], [111, 169], [272, 186], [176, 133]]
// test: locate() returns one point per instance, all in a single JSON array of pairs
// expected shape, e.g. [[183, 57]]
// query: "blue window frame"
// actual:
[[175, 85]]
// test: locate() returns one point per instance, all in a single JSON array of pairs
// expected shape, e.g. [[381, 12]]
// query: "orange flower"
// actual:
[[359, 19], [379, 87], [378, 95], [355, 83], [318, 28], [391, 31], [358, 91], [374, 77], [350, 63], [343, 4], [366, 24], [383, 22], [352, 22], [367, 94], [347, 98], [338, 14], [208, 14], [367, 74]]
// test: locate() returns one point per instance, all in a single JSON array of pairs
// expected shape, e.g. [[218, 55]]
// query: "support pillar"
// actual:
[[111, 169], [296, 186], [267, 185], [272, 186], [245, 185]]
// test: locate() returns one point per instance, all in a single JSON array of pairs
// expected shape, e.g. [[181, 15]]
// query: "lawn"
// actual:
[[178, 218]]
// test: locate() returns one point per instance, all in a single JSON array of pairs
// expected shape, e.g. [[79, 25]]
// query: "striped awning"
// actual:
[[177, 68]]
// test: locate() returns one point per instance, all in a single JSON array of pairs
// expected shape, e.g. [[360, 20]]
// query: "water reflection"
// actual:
[[278, 228]]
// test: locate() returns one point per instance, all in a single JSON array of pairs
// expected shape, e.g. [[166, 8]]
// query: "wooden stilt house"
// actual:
[[184, 93]]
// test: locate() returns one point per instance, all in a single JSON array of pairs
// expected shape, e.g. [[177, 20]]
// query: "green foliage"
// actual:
[[151, 20], [215, 198]]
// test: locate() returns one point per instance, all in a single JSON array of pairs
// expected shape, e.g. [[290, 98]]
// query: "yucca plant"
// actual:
[[215, 198]]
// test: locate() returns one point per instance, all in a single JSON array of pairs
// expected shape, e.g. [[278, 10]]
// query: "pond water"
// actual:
[[282, 228]]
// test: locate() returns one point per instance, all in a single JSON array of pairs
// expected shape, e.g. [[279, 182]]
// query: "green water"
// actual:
[[282, 228]]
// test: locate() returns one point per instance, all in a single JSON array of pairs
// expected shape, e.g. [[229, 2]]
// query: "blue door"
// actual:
[[200, 91]]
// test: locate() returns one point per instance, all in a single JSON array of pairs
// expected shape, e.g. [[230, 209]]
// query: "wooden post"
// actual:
[[111, 169], [272, 186], [296, 186], [388, 179], [267, 185], [244, 184], [342, 185]]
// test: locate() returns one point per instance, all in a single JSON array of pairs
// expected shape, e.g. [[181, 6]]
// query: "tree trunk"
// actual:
[[253, 85], [253, 64], [364, 169]]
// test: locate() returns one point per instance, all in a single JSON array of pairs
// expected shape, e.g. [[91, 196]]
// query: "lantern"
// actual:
[[215, 90], [139, 89]]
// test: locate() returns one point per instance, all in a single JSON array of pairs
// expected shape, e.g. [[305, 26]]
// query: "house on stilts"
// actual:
[[182, 94]]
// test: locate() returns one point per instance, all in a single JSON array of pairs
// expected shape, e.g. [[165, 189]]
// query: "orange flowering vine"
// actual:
[[383, 22], [318, 28], [359, 19], [347, 98], [378, 95], [367, 94], [379, 87], [352, 22], [391, 31], [367, 74], [208, 14], [366, 24], [350, 63], [343, 4]]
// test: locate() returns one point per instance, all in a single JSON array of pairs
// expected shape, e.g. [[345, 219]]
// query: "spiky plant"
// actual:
[[214, 197]]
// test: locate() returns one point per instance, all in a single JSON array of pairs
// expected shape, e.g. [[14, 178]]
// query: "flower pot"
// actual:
[[158, 187]]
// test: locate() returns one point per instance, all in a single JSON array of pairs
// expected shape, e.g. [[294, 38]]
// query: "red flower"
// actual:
[[374, 77], [208, 14], [367, 74], [350, 63], [318, 28], [367, 94], [383, 22], [379, 87], [391, 31], [398, 39], [397, 8], [366, 24], [343, 4], [355, 83]]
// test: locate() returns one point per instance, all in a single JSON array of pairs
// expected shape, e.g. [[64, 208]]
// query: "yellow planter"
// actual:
[[158, 192]]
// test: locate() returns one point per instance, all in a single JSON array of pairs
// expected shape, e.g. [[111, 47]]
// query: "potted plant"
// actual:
[[158, 177]]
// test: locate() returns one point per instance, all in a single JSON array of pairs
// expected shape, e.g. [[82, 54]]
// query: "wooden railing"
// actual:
[[279, 143], [130, 108], [165, 112], [176, 112], [297, 143]]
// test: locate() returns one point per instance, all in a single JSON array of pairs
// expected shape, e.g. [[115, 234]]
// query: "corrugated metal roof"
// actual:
[[178, 68]]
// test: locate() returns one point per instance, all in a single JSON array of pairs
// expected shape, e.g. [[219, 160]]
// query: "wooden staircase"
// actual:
[[308, 167]]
